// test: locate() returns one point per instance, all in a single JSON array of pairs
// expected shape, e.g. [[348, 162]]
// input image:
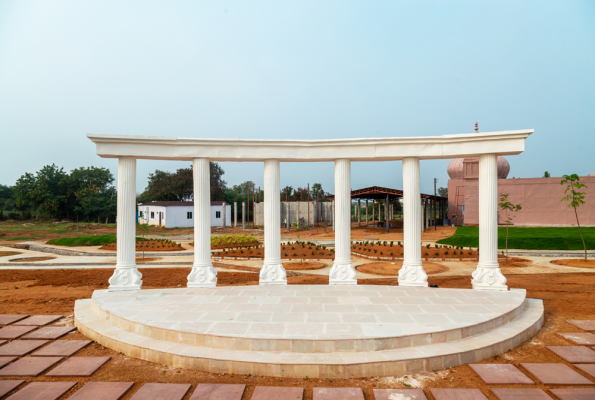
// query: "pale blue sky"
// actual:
[[301, 69]]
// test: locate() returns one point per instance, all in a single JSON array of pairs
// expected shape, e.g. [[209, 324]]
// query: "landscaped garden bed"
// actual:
[[395, 251], [219, 242], [293, 251], [575, 262], [149, 245]]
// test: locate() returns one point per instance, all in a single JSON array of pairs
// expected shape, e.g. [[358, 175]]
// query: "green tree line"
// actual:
[[85, 193]]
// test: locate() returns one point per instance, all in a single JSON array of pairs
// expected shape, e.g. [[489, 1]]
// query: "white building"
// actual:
[[180, 214]]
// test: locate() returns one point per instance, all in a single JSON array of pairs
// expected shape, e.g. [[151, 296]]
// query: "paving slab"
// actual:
[[338, 394], [574, 394], [458, 394], [555, 374], [213, 391], [6, 319], [21, 347], [50, 332], [574, 354], [402, 394], [585, 339], [277, 392], [102, 391], [61, 348], [13, 332], [42, 391], [29, 366], [78, 366], [39, 320], [161, 391], [8, 386], [6, 360], [586, 368], [501, 374], [585, 325], [521, 394]]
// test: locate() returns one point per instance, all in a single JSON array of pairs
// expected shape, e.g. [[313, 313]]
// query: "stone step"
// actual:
[[314, 365], [140, 313]]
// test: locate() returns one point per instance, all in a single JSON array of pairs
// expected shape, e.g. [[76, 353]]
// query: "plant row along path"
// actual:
[[291, 250], [396, 250], [149, 245], [232, 241]]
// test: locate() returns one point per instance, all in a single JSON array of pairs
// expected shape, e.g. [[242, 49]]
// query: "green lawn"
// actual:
[[84, 241], [527, 238]]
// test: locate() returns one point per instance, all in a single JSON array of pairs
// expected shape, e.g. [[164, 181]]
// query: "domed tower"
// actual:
[[468, 168]]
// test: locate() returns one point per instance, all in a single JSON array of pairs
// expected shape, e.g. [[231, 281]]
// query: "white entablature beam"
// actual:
[[371, 149]]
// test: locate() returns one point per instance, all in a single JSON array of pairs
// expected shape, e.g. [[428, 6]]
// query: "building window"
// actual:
[[140, 213], [189, 215], [217, 214], [152, 215]]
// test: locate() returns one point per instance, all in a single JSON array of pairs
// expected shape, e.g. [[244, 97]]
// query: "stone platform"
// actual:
[[310, 330]]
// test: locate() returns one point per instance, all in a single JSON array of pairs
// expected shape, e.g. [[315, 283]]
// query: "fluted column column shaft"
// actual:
[[342, 272], [203, 274], [126, 276], [272, 272], [488, 274], [412, 273]]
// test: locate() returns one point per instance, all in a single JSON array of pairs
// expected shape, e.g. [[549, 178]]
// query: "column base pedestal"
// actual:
[[413, 275], [202, 276], [488, 277], [342, 274], [125, 278], [273, 274]]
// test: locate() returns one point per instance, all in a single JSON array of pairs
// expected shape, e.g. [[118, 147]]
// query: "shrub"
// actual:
[[428, 246], [427, 254], [436, 254]]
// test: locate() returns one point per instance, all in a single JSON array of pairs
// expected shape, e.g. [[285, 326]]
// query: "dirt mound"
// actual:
[[307, 251], [3, 233], [395, 249], [32, 259], [88, 227], [575, 262], [149, 245], [296, 266], [513, 262], [9, 253], [387, 268]]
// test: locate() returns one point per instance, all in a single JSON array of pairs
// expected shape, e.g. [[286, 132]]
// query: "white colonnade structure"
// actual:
[[411, 150]]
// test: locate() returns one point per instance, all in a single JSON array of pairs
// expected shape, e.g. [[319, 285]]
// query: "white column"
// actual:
[[367, 213], [126, 276], [272, 272], [235, 214], [412, 272], [342, 272], [223, 216], [333, 214], [203, 274], [359, 213], [488, 274]]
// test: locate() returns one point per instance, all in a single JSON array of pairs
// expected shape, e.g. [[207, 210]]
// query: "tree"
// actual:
[[507, 207], [179, 185], [546, 174], [575, 199], [442, 192], [6, 199], [47, 191]]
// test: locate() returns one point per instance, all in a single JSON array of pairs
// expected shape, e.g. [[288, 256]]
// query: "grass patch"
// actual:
[[527, 238], [84, 241]]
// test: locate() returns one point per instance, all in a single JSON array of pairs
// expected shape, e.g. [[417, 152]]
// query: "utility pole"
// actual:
[[253, 204], [435, 227]]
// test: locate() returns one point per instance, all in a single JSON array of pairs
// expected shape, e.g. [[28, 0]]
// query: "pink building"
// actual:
[[539, 197]]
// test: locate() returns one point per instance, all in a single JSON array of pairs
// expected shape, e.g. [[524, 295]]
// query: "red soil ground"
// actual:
[[575, 262], [396, 250], [387, 268], [566, 296]]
